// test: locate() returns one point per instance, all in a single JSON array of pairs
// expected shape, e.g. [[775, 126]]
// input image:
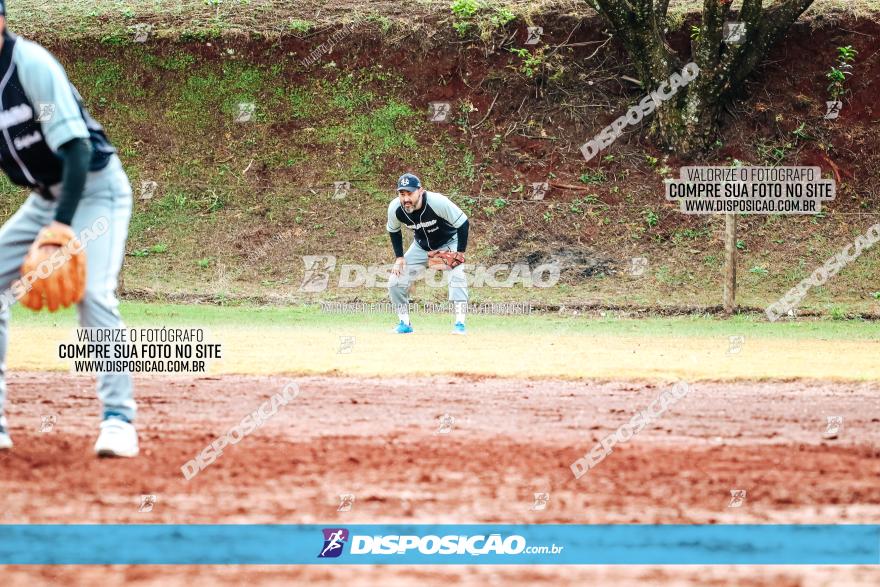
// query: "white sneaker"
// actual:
[[5, 440], [118, 438]]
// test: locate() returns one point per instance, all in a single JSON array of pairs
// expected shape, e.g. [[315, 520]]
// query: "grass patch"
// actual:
[[271, 341], [147, 314]]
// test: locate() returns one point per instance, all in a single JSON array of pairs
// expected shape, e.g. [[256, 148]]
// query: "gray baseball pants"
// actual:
[[107, 194], [416, 262]]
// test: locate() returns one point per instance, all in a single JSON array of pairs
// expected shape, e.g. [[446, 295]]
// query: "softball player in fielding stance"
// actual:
[[50, 144], [440, 235]]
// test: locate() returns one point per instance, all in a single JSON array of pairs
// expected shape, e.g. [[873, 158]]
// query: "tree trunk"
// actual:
[[689, 122], [689, 129], [730, 254]]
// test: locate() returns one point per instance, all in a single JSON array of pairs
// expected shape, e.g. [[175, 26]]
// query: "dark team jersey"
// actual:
[[433, 225], [40, 110]]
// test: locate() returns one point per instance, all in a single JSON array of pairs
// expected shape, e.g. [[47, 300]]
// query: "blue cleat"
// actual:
[[458, 328], [403, 328]]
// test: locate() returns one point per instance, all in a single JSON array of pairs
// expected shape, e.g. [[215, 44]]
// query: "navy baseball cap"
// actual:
[[2, 8], [408, 182]]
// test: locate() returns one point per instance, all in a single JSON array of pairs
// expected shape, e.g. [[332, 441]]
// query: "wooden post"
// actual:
[[729, 263]]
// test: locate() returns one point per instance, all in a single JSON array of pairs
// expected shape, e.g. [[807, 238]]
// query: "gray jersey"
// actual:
[[433, 225], [40, 111]]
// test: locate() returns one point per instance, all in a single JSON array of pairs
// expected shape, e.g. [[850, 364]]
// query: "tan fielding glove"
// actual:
[[57, 264], [443, 260]]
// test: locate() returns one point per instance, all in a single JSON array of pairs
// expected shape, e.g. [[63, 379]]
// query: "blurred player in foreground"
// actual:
[[51, 145]]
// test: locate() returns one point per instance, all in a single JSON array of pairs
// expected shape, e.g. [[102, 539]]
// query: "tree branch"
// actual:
[[688, 123], [637, 26], [751, 10], [660, 9], [783, 14], [712, 34], [765, 28]]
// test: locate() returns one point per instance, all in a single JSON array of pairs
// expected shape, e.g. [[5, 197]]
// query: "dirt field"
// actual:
[[380, 440]]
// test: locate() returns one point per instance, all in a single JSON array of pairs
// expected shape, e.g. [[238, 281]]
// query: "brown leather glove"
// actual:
[[443, 260], [57, 264]]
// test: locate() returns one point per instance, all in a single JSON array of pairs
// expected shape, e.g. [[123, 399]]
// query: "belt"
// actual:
[[96, 165]]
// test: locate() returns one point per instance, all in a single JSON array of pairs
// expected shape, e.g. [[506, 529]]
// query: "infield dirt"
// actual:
[[381, 440]]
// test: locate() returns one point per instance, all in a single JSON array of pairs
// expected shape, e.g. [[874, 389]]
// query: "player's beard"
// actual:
[[411, 207]]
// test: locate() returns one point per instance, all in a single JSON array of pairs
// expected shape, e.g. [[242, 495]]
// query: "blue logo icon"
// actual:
[[334, 542]]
